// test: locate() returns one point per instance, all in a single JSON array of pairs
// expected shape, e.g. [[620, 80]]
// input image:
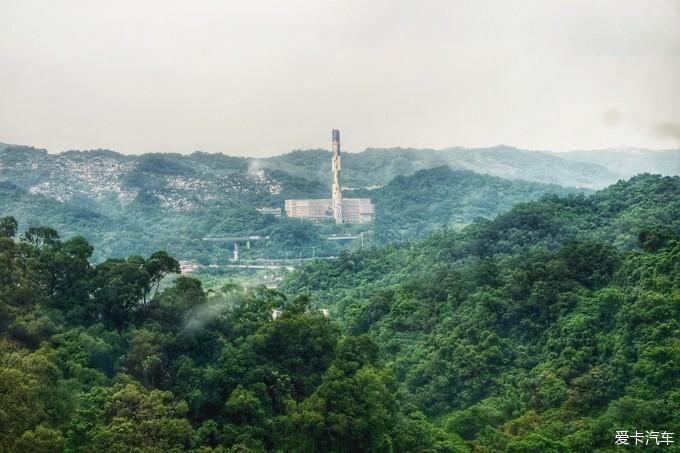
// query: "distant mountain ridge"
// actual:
[[136, 204], [413, 206], [628, 161], [594, 169], [123, 174]]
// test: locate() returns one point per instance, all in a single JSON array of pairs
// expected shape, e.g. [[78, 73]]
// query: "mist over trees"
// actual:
[[547, 328]]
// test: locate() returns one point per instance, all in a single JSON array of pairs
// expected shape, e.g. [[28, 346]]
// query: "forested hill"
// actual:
[[137, 204], [409, 207], [612, 216], [629, 161], [589, 169], [98, 173], [548, 328], [97, 358]]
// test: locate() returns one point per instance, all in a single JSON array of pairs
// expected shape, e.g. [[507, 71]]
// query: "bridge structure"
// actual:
[[344, 237], [347, 237], [247, 240], [235, 238]]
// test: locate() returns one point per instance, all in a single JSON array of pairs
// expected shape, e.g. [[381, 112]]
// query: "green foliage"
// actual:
[[42, 440], [542, 330], [128, 205], [126, 417], [8, 227], [546, 329], [409, 207], [98, 358]]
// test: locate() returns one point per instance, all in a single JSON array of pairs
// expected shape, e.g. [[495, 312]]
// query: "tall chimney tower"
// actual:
[[336, 192]]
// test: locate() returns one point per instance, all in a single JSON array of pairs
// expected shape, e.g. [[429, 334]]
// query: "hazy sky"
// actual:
[[263, 77]]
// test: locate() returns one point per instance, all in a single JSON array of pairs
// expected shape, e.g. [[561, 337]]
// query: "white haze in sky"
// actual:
[[262, 77]]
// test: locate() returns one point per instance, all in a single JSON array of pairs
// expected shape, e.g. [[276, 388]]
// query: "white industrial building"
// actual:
[[343, 210]]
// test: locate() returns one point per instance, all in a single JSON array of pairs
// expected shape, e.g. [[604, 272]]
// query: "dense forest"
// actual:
[[546, 329], [95, 358], [410, 207], [217, 197], [127, 204]]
